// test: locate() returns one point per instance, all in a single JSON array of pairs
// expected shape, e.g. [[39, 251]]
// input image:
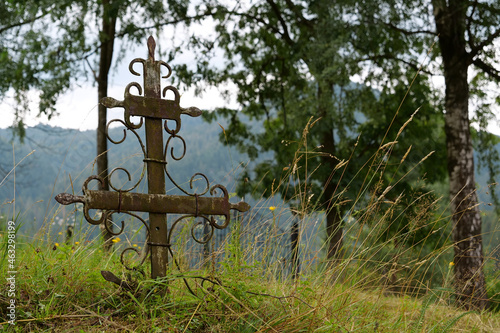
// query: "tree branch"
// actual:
[[478, 48], [469, 21], [176, 21], [277, 12], [93, 71], [409, 32], [488, 69], [390, 56], [294, 8], [267, 25], [18, 24]]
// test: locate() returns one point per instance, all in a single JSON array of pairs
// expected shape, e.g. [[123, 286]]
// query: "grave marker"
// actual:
[[155, 112]]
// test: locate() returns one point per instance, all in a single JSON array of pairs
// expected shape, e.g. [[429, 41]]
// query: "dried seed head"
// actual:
[[407, 122], [388, 144], [405, 155], [426, 157], [340, 165], [384, 193]]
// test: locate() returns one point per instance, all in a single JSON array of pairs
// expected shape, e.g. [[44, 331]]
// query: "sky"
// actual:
[[77, 108]]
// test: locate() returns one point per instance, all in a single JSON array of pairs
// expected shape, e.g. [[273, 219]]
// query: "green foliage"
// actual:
[[35, 57], [293, 66], [47, 47]]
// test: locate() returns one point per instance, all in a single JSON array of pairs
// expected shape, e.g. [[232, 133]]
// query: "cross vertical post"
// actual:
[[154, 160]]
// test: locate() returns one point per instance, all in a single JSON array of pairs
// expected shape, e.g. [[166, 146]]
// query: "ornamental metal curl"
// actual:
[[154, 111]]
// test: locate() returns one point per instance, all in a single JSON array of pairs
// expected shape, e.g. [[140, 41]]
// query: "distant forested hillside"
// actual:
[[53, 160], [59, 160]]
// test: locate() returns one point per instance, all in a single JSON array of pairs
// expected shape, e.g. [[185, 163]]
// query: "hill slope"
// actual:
[[50, 158]]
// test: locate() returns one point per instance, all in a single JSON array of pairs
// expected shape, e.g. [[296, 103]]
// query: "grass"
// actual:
[[387, 281], [61, 290]]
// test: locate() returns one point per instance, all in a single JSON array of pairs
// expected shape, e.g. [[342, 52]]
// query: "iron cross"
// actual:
[[155, 110]]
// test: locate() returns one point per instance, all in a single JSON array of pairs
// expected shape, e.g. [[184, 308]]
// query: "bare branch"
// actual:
[[469, 23], [93, 71]]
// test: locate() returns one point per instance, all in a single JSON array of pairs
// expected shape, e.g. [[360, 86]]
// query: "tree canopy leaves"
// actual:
[[48, 47], [294, 63]]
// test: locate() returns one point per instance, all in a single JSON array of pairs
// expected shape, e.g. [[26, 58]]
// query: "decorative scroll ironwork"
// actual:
[[154, 112]]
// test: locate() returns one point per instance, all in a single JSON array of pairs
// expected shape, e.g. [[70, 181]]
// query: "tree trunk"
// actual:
[[333, 216], [333, 225], [107, 40], [294, 242], [206, 246], [470, 284]]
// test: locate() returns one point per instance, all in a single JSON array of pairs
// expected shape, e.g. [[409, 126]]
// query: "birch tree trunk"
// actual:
[[470, 284]]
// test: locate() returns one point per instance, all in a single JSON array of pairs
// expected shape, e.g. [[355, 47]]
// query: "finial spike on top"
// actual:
[[151, 47]]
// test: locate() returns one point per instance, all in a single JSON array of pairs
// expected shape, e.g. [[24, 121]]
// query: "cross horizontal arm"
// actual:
[[151, 107], [153, 203]]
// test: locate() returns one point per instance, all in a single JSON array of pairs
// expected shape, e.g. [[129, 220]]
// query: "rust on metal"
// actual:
[[154, 110], [154, 203]]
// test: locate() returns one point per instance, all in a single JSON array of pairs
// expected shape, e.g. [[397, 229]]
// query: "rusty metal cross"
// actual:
[[156, 112]]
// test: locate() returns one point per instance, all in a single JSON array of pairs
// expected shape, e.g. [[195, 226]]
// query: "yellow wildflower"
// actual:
[[76, 243], [272, 208], [451, 264], [135, 245], [56, 244], [116, 240], [60, 232]]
